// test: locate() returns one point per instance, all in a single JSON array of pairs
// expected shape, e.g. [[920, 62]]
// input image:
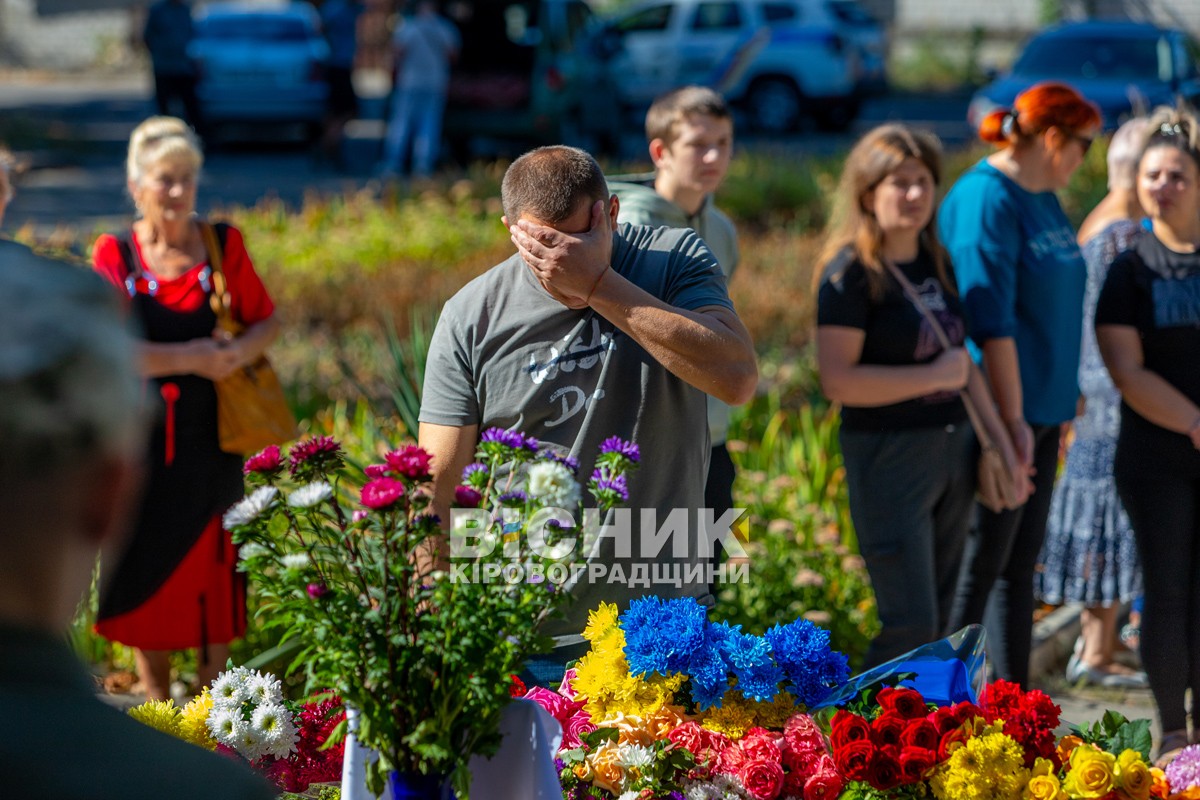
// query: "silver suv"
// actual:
[[778, 60]]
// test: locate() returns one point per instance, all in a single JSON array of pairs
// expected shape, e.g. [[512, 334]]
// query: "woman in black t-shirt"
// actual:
[[908, 448], [1148, 329]]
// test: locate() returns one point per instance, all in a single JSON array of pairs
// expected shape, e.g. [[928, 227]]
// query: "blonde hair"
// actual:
[[7, 164], [160, 139], [878, 154], [1124, 152]]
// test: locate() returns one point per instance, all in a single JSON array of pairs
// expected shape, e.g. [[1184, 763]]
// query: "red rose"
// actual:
[[920, 733], [964, 711], [949, 743], [825, 783], [885, 771], [886, 729], [793, 784], [916, 763], [908, 703], [802, 761], [762, 779], [848, 728], [854, 759]]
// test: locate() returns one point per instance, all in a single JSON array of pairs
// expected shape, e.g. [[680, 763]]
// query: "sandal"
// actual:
[[1171, 745]]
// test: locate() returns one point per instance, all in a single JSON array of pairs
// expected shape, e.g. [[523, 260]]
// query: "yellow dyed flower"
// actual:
[[1091, 774], [987, 767], [602, 621], [1133, 775], [193, 721], [162, 715], [1043, 782], [733, 718], [607, 771]]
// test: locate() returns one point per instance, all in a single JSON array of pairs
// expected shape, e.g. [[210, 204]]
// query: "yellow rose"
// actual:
[[662, 722], [606, 765], [583, 771], [1091, 775], [1044, 784], [1133, 775], [632, 728]]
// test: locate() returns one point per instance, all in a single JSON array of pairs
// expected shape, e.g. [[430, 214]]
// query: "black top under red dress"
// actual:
[[176, 585]]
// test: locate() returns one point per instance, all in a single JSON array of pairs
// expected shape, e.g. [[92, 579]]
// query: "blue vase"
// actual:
[[415, 786]]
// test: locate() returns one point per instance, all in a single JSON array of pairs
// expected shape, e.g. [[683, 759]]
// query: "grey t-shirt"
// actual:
[[505, 353]]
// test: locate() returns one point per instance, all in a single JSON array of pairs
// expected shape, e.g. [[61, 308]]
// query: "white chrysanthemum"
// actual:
[[248, 742], [295, 561], [275, 729], [635, 756], [249, 508], [630, 795], [310, 495], [249, 551], [231, 689], [554, 485], [264, 689], [222, 724]]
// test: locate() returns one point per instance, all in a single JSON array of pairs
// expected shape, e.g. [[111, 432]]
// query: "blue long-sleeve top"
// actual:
[[1021, 276]]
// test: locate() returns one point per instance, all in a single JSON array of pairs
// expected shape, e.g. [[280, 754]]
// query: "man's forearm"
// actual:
[[709, 349]]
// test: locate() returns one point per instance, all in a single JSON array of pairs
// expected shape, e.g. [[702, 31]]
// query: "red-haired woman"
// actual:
[[1022, 279]]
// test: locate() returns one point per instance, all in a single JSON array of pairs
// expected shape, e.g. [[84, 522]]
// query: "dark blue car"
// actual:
[[1121, 66]]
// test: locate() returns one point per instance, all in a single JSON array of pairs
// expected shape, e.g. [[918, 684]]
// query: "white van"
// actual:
[[778, 60]]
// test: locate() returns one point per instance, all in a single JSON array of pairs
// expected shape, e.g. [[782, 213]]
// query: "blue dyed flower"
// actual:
[[661, 635], [802, 650], [749, 657]]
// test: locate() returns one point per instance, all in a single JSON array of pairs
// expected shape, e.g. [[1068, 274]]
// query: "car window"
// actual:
[[780, 12], [655, 18], [717, 17], [1190, 67], [254, 27], [1090, 57], [850, 13]]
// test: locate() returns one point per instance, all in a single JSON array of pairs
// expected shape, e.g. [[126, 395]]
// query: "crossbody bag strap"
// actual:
[[219, 300], [914, 297]]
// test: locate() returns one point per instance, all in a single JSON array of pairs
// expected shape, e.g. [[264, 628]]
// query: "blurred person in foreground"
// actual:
[[690, 136], [70, 462], [1090, 555], [1022, 277], [176, 586], [911, 455], [1148, 329]]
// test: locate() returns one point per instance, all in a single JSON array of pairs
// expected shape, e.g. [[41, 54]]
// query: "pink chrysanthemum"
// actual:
[[315, 452]]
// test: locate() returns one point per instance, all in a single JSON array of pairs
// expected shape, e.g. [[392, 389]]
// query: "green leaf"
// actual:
[[1132, 735]]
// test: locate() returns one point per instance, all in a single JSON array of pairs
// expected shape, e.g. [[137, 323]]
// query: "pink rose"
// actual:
[[565, 688], [690, 736], [731, 760], [760, 745], [762, 779], [382, 492], [576, 727], [559, 707], [825, 783]]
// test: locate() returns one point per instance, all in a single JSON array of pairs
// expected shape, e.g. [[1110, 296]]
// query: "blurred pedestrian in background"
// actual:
[[1090, 556], [425, 45], [1022, 279], [339, 23], [168, 32]]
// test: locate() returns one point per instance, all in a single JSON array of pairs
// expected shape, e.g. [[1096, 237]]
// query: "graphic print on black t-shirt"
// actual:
[[928, 345]]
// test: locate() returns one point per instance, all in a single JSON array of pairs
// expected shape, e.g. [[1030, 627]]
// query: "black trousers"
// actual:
[[169, 87], [996, 584]]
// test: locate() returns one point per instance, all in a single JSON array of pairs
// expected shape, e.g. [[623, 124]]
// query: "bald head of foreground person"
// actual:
[[70, 444]]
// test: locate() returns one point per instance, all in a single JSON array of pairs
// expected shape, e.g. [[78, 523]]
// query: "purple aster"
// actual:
[[615, 484], [512, 439], [567, 461], [515, 497], [472, 469], [615, 444]]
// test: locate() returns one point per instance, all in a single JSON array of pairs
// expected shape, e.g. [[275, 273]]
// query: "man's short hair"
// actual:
[[69, 391], [668, 111], [547, 184]]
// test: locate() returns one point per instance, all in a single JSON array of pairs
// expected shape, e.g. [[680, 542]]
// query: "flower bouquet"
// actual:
[[669, 704], [343, 560], [244, 715]]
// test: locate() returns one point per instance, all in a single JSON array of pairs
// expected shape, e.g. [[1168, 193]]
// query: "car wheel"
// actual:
[[774, 105]]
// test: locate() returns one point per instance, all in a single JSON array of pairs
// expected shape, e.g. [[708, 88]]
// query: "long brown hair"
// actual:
[[852, 227]]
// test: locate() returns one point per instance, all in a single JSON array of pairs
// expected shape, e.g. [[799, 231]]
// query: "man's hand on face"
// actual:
[[567, 263]]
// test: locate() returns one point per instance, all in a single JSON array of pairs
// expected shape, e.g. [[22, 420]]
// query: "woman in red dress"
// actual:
[[176, 586]]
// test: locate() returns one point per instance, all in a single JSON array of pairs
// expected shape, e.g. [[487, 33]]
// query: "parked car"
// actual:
[[530, 71], [1120, 66], [779, 60], [260, 63], [867, 34]]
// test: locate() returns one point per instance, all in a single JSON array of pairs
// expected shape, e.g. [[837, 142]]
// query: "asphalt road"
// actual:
[[85, 187]]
